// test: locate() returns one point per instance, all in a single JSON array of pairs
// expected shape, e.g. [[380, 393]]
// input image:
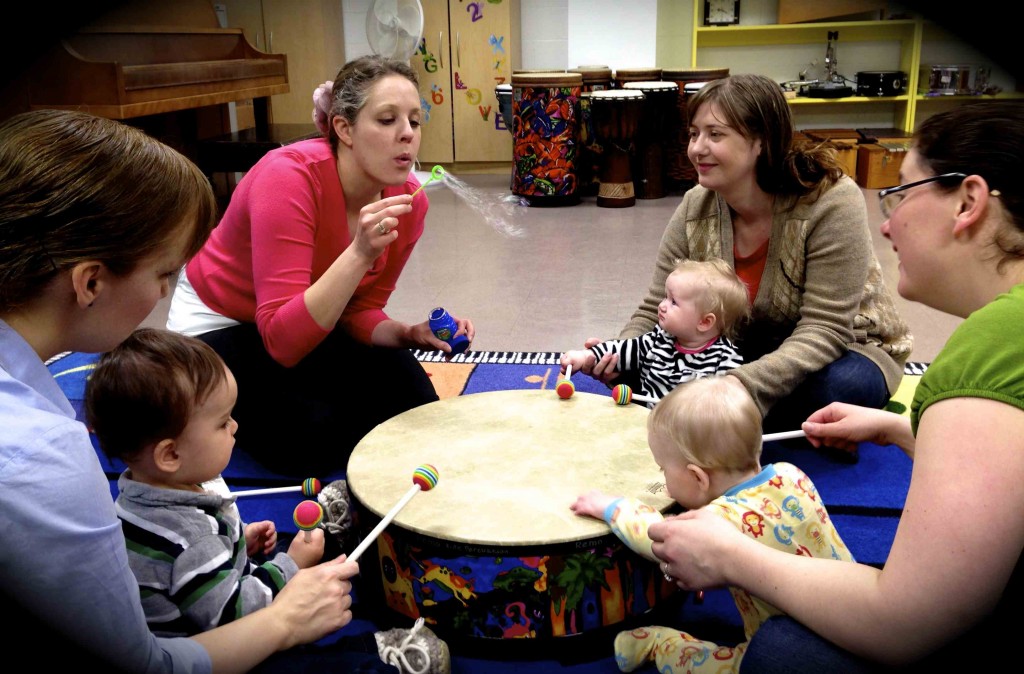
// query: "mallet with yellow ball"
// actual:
[[309, 487]]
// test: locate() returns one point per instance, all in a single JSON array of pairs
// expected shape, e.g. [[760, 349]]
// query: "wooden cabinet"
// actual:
[[897, 43], [308, 32], [467, 49]]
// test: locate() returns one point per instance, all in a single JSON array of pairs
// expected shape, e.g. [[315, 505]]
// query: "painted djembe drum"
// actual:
[[616, 115], [545, 137], [595, 78], [679, 171], [657, 122], [493, 552], [623, 75]]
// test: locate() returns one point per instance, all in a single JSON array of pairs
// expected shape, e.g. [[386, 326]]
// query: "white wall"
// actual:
[[557, 33]]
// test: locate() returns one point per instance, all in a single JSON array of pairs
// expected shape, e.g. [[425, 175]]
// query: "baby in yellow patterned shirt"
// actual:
[[706, 437]]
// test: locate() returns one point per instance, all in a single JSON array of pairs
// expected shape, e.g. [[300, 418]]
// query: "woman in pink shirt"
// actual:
[[291, 287]]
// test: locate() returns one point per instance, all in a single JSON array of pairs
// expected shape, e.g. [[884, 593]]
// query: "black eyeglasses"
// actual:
[[892, 197]]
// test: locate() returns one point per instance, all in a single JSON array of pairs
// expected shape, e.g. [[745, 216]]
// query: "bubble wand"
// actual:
[[309, 487], [437, 173], [424, 478]]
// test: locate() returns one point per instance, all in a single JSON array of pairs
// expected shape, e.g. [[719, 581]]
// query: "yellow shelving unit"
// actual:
[[909, 34]]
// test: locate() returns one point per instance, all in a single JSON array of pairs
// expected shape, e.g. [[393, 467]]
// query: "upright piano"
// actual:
[[166, 67]]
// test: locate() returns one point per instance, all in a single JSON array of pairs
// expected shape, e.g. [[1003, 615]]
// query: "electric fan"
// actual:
[[394, 27]]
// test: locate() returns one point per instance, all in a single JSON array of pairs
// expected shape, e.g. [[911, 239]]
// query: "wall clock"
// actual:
[[721, 12]]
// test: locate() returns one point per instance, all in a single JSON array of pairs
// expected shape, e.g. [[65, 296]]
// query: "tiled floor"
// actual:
[[573, 272]]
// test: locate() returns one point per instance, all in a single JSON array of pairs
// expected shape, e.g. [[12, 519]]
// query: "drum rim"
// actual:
[[558, 79]]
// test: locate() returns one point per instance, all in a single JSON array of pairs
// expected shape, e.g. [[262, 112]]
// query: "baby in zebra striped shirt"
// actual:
[[705, 302]]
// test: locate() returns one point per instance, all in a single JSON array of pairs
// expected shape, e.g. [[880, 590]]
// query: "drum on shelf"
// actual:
[[503, 92], [545, 137], [616, 114], [679, 172], [595, 78], [657, 124], [623, 75], [493, 551], [945, 80]]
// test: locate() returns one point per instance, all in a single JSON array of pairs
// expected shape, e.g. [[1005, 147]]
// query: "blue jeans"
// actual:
[[852, 378], [783, 646]]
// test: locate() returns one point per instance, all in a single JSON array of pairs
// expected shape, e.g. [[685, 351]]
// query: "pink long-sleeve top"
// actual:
[[284, 227]]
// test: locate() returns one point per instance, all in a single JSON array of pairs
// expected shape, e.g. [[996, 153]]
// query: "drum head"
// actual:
[[653, 87], [510, 465]]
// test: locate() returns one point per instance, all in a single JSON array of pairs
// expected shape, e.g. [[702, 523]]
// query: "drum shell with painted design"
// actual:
[[545, 137], [616, 115]]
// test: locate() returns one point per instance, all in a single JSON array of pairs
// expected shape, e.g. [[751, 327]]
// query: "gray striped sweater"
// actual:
[[187, 551]]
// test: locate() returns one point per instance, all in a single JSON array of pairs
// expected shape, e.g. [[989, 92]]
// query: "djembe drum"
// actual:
[[503, 92], [493, 552], [657, 121], [679, 172], [616, 114], [623, 75], [595, 78], [545, 137]]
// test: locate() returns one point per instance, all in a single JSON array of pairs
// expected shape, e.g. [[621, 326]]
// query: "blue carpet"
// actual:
[[865, 500]]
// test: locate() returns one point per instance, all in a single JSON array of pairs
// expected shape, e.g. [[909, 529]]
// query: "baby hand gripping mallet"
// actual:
[[437, 173], [309, 487], [565, 387], [424, 478], [307, 516]]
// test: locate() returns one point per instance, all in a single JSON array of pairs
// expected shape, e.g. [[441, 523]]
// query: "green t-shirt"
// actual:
[[984, 358]]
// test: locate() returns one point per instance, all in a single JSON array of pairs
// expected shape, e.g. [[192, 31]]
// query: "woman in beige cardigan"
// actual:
[[823, 325]]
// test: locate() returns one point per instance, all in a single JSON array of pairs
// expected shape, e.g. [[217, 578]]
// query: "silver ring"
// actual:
[[669, 578], [382, 229]]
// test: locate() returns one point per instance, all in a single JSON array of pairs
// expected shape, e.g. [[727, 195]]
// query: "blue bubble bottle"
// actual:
[[444, 328]]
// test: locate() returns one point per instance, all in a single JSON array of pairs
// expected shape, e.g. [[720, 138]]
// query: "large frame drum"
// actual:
[[679, 172], [616, 115], [545, 137], [657, 124], [493, 552]]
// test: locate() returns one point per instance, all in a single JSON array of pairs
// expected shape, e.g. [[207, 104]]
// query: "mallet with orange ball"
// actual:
[[565, 387], [424, 478], [307, 516], [309, 487]]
